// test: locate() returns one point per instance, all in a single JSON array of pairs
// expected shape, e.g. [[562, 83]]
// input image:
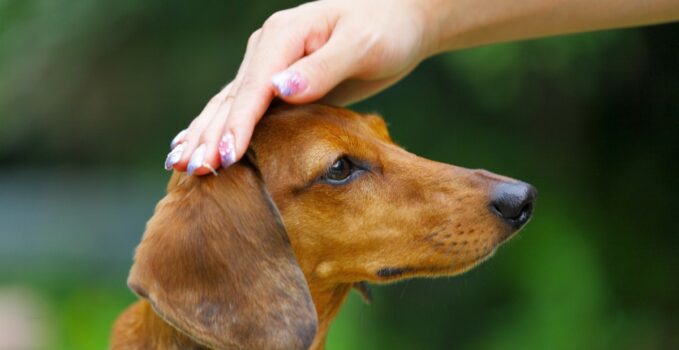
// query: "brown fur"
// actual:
[[216, 267]]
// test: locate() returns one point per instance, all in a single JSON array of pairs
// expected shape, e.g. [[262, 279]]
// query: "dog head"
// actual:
[[324, 197]]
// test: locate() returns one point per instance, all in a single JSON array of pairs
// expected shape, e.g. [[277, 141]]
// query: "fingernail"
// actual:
[[177, 139], [227, 150], [174, 156], [196, 159], [288, 83]]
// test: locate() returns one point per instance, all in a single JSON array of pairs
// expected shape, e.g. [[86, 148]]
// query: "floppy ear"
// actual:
[[215, 262]]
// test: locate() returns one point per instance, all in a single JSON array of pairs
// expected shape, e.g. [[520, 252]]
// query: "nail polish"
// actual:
[[174, 156], [196, 159], [288, 83], [177, 139], [227, 150]]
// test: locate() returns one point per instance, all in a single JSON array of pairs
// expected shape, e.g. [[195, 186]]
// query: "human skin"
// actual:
[[343, 51]]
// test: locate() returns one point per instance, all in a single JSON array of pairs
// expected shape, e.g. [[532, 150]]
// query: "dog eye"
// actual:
[[339, 171]]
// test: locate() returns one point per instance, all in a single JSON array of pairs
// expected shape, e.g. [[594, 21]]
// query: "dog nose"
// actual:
[[513, 202]]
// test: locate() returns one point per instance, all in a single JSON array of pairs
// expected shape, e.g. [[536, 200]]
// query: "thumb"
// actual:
[[313, 76]]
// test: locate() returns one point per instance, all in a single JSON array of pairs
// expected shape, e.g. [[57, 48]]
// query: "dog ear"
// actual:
[[215, 262], [378, 126]]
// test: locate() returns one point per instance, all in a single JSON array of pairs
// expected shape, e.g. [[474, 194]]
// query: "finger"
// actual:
[[213, 135], [207, 160], [256, 91], [191, 137], [178, 139], [324, 69]]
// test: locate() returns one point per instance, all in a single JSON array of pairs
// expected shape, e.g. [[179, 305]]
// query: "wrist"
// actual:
[[438, 24], [460, 24], [424, 21]]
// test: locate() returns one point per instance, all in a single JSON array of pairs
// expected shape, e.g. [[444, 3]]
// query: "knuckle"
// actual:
[[278, 19], [254, 37], [228, 98], [215, 101], [191, 129], [209, 135], [249, 83]]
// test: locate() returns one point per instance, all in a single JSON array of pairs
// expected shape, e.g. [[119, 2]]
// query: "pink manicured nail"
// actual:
[[288, 83], [227, 150], [196, 160], [174, 156]]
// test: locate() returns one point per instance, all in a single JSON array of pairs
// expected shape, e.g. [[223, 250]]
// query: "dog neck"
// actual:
[[327, 299]]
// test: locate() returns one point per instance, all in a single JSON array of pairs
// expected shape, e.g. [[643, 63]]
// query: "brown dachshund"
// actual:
[[263, 255]]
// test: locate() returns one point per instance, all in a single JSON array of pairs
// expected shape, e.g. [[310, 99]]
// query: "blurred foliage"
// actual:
[[100, 87]]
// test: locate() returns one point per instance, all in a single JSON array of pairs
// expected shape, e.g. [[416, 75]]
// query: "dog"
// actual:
[[263, 255]]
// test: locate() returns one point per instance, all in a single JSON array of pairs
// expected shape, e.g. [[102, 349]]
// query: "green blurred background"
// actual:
[[92, 91]]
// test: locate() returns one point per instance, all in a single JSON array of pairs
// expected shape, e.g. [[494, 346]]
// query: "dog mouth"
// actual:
[[387, 274], [394, 272]]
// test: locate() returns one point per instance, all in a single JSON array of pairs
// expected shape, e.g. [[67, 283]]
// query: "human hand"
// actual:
[[337, 51]]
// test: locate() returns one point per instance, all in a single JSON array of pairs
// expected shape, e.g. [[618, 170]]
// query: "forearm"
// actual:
[[458, 24]]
